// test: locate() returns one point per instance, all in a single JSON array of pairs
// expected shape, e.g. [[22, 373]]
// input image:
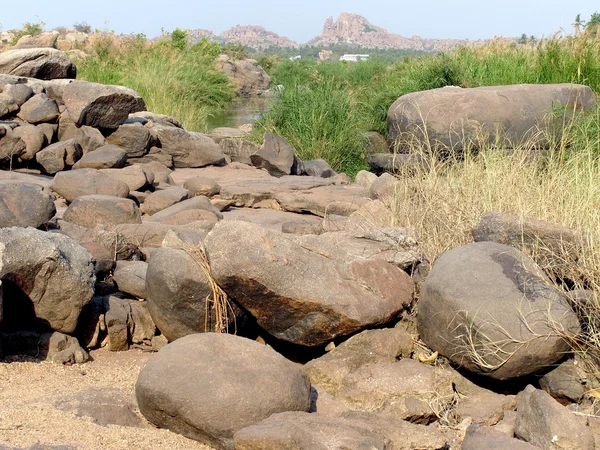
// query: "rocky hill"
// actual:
[[255, 36], [348, 29], [357, 30]]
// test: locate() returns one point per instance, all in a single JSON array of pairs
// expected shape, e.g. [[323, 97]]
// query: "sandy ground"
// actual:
[[29, 414]]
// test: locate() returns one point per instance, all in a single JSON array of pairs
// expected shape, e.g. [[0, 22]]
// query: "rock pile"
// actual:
[[121, 229]]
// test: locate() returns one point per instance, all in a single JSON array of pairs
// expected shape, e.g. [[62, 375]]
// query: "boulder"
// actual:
[[54, 347], [89, 138], [452, 118], [160, 200], [544, 422], [276, 156], [46, 39], [188, 149], [130, 277], [320, 200], [134, 138], [40, 63], [238, 150], [368, 347], [39, 109], [34, 138], [318, 168], [133, 176], [11, 145], [179, 293], [480, 437], [24, 205], [490, 309], [19, 93], [486, 408], [198, 202], [44, 274], [105, 157], [565, 383], [299, 295], [352, 430], [91, 210], [152, 234], [75, 183], [399, 163], [59, 156], [202, 186], [99, 105], [248, 76], [240, 382]]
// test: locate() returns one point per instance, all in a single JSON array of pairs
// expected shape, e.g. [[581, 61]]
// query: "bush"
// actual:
[[82, 27]]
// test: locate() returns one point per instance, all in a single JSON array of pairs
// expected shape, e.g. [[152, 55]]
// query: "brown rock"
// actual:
[[91, 210], [75, 183]]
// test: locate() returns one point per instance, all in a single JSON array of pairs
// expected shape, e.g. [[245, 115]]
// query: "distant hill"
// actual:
[[349, 29]]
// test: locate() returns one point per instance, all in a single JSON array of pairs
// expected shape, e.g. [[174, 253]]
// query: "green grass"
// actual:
[[178, 82]]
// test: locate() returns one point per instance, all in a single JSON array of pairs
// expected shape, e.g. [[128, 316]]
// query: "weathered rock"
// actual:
[[91, 210], [105, 157], [318, 168], [318, 201], [49, 131], [161, 173], [152, 234], [143, 325], [368, 347], [45, 274], [133, 176], [160, 200], [177, 292], [198, 202], [480, 437], [406, 389], [40, 63], [302, 226], [486, 408], [188, 149], [485, 306], [189, 216], [238, 150], [58, 157], [75, 183], [99, 105], [544, 422], [202, 186], [89, 138], [56, 347], [299, 295], [564, 383], [24, 205], [38, 109], [276, 156], [352, 430], [376, 143], [384, 187], [118, 323], [20, 93], [34, 139], [456, 119], [134, 138], [241, 382], [46, 39], [248, 76], [130, 277], [11, 145]]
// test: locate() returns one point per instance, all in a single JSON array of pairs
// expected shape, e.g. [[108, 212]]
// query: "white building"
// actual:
[[354, 58]]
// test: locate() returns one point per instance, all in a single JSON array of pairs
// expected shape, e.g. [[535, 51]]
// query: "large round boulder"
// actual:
[[24, 205], [46, 276], [208, 386], [490, 309], [455, 118]]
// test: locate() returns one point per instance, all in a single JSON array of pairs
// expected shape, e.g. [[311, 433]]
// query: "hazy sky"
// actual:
[[302, 20]]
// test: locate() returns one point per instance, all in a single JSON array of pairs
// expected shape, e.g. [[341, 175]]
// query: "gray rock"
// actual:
[[11, 145], [144, 328], [134, 138], [133, 176], [89, 138], [564, 383], [395, 163], [75, 183], [24, 205], [49, 275], [46, 39], [247, 75], [91, 210], [486, 408], [240, 382], [351, 431], [55, 347], [486, 305], [99, 105], [105, 157], [318, 168], [39, 109], [454, 118], [276, 156], [297, 294], [34, 139], [238, 150], [130, 277], [119, 323], [58, 157], [480, 437], [160, 200], [40, 63], [544, 422], [20, 93], [189, 149], [384, 187]]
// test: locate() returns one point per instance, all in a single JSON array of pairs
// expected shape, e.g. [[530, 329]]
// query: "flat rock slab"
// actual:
[[225, 175], [267, 218], [320, 200], [20, 177]]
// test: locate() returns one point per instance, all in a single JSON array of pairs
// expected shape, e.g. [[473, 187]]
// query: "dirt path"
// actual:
[[35, 399]]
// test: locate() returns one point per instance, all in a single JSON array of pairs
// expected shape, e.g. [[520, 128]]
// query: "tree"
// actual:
[[179, 39], [523, 39]]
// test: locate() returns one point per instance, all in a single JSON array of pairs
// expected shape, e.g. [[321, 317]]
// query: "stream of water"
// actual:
[[243, 111]]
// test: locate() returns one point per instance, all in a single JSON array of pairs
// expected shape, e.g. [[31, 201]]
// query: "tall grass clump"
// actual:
[[173, 80]]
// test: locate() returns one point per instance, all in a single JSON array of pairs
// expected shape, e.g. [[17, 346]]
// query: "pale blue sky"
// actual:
[[302, 20]]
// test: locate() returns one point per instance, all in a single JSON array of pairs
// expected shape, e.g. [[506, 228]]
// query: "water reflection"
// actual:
[[245, 110]]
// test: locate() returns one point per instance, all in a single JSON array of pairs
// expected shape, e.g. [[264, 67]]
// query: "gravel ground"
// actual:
[[30, 392]]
